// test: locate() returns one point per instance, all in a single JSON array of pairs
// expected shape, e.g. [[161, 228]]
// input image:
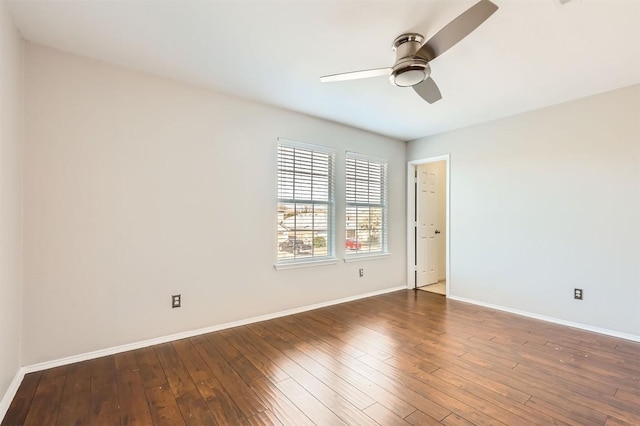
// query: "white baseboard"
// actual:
[[186, 334], [586, 327], [11, 392]]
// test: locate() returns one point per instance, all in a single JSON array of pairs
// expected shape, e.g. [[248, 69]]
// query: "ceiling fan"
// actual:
[[411, 68]]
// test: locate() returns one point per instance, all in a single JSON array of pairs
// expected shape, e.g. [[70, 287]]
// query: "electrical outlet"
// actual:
[[176, 301], [577, 293], [361, 272]]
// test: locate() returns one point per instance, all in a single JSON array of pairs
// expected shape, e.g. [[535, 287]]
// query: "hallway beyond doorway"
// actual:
[[440, 287]]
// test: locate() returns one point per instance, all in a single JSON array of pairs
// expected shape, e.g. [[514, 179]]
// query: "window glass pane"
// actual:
[[305, 206], [365, 206]]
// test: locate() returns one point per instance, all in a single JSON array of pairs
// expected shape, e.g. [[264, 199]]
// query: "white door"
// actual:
[[427, 232]]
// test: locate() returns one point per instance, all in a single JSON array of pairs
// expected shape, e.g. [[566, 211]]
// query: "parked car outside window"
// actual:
[[353, 244], [295, 246]]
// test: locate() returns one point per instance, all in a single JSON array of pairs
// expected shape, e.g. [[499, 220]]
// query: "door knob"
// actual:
[[437, 232]]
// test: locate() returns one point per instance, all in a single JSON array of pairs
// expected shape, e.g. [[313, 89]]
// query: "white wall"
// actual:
[[547, 201], [10, 198], [137, 187]]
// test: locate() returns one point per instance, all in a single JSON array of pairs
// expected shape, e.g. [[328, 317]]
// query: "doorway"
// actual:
[[428, 230]]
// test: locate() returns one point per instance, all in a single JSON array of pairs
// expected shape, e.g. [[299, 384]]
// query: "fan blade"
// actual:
[[428, 90], [356, 74], [456, 30]]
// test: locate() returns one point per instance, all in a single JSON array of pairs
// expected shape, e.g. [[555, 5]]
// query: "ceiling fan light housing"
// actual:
[[408, 69], [411, 75]]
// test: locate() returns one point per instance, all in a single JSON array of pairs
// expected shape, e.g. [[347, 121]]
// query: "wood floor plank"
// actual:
[[126, 361], [545, 386], [134, 409], [418, 418], [624, 395], [266, 366], [365, 340], [163, 406], [385, 398], [55, 372], [603, 403], [462, 403], [563, 414], [602, 354], [191, 360], [194, 408], [150, 369], [566, 379], [75, 409], [174, 370], [265, 418], [408, 394], [237, 359], [490, 390], [406, 357], [487, 392], [21, 403], [104, 392], [612, 421], [281, 406], [324, 333], [338, 397], [626, 346], [220, 403], [78, 378], [243, 396], [579, 364], [456, 420], [334, 350], [383, 416], [549, 388], [317, 412], [45, 405], [527, 360], [333, 381]]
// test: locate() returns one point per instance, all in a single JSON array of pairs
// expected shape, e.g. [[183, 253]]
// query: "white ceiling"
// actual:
[[529, 54]]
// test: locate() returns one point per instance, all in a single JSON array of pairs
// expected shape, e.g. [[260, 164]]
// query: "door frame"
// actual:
[[411, 219]]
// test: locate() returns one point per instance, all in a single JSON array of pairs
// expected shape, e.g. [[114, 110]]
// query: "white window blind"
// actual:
[[366, 205], [305, 202]]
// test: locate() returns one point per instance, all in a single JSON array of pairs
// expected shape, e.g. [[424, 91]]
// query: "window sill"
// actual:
[[363, 257], [305, 264]]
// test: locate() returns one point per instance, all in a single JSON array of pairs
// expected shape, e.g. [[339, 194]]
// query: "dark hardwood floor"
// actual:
[[401, 358]]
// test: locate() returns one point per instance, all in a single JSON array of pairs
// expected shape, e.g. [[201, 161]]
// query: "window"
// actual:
[[305, 202], [366, 205]]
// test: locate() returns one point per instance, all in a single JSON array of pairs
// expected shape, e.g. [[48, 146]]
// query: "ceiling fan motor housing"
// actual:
[[408, 69]]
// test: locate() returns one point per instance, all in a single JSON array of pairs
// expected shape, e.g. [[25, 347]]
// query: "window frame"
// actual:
[[383, 251], [313, 260]]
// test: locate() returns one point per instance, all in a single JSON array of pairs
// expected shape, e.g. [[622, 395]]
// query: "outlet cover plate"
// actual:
[[176, 301]]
